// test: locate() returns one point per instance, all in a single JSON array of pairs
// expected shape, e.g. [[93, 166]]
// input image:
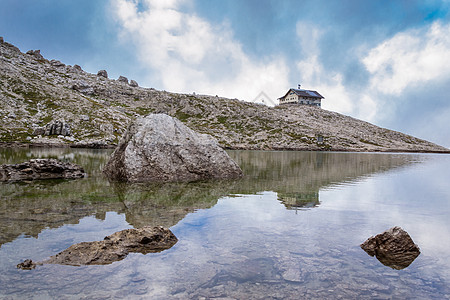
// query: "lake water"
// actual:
[[290, 229]]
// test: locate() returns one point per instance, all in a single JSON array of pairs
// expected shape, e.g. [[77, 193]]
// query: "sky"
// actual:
[[383, 61]]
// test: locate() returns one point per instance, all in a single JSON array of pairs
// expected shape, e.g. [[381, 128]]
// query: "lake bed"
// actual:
[[290, 229]]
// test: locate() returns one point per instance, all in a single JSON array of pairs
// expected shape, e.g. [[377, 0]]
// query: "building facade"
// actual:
[[300, 96]]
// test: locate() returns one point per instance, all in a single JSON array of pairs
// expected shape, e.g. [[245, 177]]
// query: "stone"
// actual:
[[39, 131], [133, 83], [85, 118], [393, 248], [123, 79], [77, 68], [159, 148], [36, 53], [113, 248], [41, 169], [27, 264], [1, 40], [54, 128], [83, 87], [102, 73], [57, 63]]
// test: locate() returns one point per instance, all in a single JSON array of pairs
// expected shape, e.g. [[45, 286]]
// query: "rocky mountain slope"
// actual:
[[46, 101]]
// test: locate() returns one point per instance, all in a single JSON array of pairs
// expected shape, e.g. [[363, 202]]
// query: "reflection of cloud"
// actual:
[[190, 54]]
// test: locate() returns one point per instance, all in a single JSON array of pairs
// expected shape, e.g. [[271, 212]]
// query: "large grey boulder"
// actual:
[[393, 248], [40, 169], [159, 148], [113, 248]]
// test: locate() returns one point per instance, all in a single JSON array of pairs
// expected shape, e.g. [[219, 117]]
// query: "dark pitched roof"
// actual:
[[304, 93]]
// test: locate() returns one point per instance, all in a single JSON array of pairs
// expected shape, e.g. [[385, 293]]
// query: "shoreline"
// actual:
[[112, 146]]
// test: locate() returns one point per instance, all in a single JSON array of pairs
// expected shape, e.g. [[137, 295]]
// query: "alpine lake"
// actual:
[[290, 229]]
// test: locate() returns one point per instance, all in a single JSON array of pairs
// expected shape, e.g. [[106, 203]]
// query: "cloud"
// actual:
[[314, 75], [410, 58], [190, 54]]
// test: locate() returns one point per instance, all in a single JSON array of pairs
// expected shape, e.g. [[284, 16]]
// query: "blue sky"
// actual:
[[383, 61]]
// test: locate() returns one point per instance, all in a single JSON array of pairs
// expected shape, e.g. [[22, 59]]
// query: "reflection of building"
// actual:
[[300, 200]]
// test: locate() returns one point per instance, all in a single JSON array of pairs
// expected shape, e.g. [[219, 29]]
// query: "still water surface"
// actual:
[[290, 229]]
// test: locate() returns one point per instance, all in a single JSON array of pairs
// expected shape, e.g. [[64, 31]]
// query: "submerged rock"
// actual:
[[41, 169], [159, 148], [393, 248], [113, 248]]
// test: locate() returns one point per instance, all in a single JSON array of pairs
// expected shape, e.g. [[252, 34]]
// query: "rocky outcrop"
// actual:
[[83, 87], [113, 248], [393, 248], [160, 148], [123, 79], [102, 73], [41, 169], [36, 53], [133, 83], [55, 128]]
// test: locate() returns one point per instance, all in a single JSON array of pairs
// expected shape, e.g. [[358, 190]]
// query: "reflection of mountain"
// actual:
[[297, 177], [27, 208]]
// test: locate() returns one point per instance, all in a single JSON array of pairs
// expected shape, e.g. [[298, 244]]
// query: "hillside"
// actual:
[[39, 97]]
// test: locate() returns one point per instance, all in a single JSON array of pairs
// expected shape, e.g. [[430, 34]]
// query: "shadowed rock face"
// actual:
[[393, 248], [159, 148], [113, 248], [40, 169]]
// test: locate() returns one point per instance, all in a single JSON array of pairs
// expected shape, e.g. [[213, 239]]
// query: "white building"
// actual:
[[300, 96]]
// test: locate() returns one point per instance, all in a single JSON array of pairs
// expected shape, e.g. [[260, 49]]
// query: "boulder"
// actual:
[[36, 53], [40, 169], [83, 87], [113, 248], [77, 68], [133, 83], [57, 63], [123, 79], [54, 128], [159, 148], [393, 248], [102, 73]]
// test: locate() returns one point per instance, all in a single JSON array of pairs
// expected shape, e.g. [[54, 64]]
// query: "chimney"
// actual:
[[299, 86]]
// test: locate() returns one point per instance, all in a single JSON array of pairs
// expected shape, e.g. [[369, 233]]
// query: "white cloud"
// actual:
[[410, 58], [190, 54], [330, 84]]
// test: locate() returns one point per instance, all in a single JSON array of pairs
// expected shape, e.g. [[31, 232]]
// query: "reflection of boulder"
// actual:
[[299, 200], [113, 248], [40, 169], [159, 148], [393, 248]]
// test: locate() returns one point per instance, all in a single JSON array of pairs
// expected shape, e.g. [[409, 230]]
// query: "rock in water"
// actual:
[[159, 148], [113, 248], [40, 169], [393, 248]]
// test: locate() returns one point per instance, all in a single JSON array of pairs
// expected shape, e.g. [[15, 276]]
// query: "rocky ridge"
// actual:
[[36, 92]]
